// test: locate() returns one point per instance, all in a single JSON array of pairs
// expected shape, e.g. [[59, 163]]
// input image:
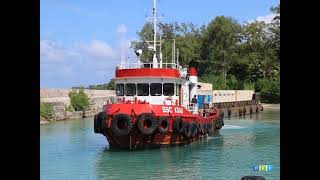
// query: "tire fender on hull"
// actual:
[[100, 122], [121, 124], [219, 123], [147, 123], [194, 130], [163, 125], [178, 125], [187, 129]]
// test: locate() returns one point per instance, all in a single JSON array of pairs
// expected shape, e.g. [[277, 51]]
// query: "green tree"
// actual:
[[229, 55], [145, 34], [107, 86], [219, 46], [80, 101], [46, 110]]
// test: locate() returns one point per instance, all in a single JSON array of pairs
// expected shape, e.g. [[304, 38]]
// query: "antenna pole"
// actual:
[[155, 61], [160, 54], [177, 56]]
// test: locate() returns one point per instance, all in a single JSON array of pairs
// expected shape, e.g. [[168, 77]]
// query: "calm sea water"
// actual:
[[71, 150]]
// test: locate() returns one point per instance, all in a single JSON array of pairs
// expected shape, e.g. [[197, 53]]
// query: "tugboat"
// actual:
[[153, 107]]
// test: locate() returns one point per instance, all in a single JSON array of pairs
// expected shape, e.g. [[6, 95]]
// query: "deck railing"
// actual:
[[149, 65]]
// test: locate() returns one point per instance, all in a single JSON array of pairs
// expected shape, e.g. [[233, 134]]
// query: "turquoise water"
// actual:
[[71, 150]]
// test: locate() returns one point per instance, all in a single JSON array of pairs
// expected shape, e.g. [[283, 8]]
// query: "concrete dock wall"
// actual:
[[231, 95], [60, 97]]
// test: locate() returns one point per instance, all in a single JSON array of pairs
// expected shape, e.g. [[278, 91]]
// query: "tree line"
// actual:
[[229, 55]]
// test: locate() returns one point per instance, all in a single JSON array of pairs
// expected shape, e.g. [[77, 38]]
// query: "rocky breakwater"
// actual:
[[60, 101]]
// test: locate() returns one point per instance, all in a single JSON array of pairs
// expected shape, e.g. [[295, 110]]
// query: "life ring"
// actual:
[[187, 130], [163, 125], [147, 123], [121, 124], [178, 125]]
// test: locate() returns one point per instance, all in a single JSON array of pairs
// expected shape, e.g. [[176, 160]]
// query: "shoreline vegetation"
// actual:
[[80, 107]]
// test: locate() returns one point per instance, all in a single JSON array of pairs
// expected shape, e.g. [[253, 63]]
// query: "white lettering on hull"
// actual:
[[167, 109]]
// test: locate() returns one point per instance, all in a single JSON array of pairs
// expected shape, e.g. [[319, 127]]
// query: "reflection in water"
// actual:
[[71, 150]]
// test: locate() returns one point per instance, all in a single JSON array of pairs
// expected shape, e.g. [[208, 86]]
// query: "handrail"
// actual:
[[149, 65]]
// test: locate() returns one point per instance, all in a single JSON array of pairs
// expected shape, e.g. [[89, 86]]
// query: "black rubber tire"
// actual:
[[219, 123], [198, 128], [100, 122], [222, 114], [194, 130], [203, 128], [147, 123], [187, 130], [206, 128], [125, 120], [95, 124], [210, 127], [178, 125], [163, 125]]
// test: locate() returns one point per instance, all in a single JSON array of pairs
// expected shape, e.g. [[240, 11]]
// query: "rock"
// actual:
[[59, 116], [44, 122]]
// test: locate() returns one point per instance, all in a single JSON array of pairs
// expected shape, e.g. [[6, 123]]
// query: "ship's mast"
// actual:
[[155, 61]]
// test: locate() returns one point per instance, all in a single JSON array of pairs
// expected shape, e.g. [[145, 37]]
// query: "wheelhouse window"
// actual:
[[168, 89], [143, 89], [155, 89], [130, 89], [120, 89]]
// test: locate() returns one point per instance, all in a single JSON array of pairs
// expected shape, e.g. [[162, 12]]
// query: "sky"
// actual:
[[81, 40]]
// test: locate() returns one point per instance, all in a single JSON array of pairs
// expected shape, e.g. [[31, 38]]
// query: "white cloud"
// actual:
[[81, 63], [267, 18], [122, 29], [97, 50], [51, 52]]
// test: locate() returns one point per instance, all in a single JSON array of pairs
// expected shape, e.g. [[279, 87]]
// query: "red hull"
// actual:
[[135, 139], [157, 140]]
